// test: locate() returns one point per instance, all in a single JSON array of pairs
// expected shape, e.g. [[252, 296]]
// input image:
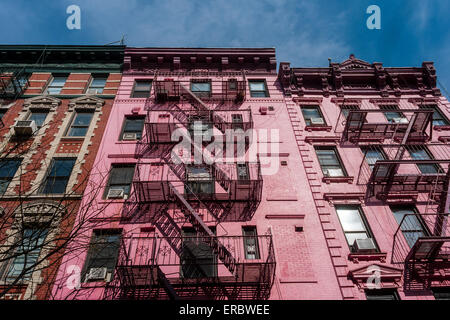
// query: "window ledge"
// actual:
[[441, 128], [329, 180], [376, 256], [127, 142], [72, 138], [318, 128], [444, 139]]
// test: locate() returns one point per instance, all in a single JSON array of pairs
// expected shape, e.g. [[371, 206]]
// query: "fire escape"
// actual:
[[12, 84], [172, 194], [399, 166]]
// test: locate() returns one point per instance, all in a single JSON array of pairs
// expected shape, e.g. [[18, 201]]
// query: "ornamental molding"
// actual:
[[345, 102], [42, 102], [308, 101], [39, 212], [389, 277], [88, 102], [382, 101], [419, 101]]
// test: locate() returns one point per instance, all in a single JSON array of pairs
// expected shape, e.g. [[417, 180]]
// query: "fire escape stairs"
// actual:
[[210, 238]]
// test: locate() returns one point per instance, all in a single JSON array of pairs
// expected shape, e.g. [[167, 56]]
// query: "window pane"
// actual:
[[142, 85], [351, 220], [328, 157], [200, 86], [82, 119], [134, 125], [311, 113], [8, 168], [58, 176], [77, 132], [38, 117], [121, 175], [257, 86]]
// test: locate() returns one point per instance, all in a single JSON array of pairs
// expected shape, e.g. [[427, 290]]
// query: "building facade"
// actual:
[[54, 104], [374, 146], [218, 177]]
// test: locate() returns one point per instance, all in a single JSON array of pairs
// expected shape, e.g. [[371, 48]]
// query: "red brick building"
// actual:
[[55, 102]]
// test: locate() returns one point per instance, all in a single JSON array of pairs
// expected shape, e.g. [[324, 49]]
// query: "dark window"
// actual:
[[2, 113], [80, 124], [382, 294], [373, 154], [197, 259], [58, 176], [8, 169], [38, 117], [103, 251], [120, 177], [410, 222], [313, 116], [56, 84], [438, 117], [422, 153], [243, 171], [97, 84], [237, 121], [258, 88], [345, 109], [330, 162], [199, 180], [251, 245], [26, 254], [141, 89], [133, 126], [355, 227], [392, 115], [201, 88], [441, 293]]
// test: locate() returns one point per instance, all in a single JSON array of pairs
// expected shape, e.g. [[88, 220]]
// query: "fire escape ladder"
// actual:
[[218, 248], [169, 229], [354, 122], [193, 99], [179, 169], [178, 113]]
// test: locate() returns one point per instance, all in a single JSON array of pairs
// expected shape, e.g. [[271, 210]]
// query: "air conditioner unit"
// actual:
[[317, 121], [115, 193], [97, 274], [129, 136], [400, 120], [365, 245], [25, 127]]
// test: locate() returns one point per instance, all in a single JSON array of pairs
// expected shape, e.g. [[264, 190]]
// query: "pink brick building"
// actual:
[[227, 180]]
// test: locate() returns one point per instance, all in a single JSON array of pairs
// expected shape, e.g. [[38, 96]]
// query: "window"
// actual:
[[200, 125], [58, 176], [251, 245], [258, 88], [132, 128], [57, 84], [373, 154], [199, 180], [80, 124], [438, 117], [8, 169], [2, 113], [313, 116], [27, 254], [382, 294], [141, 89], [38, 117], [410, 222], [103, 251], [97, 84], [422, 153], [237, 121], [330, 163], [345, 109], [243, 173], [120, 177], [392, 115], [441, 293], [201, 88], [197, 259], [354, 225]]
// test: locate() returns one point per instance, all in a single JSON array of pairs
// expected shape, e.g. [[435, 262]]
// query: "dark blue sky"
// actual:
[[304, 32]]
